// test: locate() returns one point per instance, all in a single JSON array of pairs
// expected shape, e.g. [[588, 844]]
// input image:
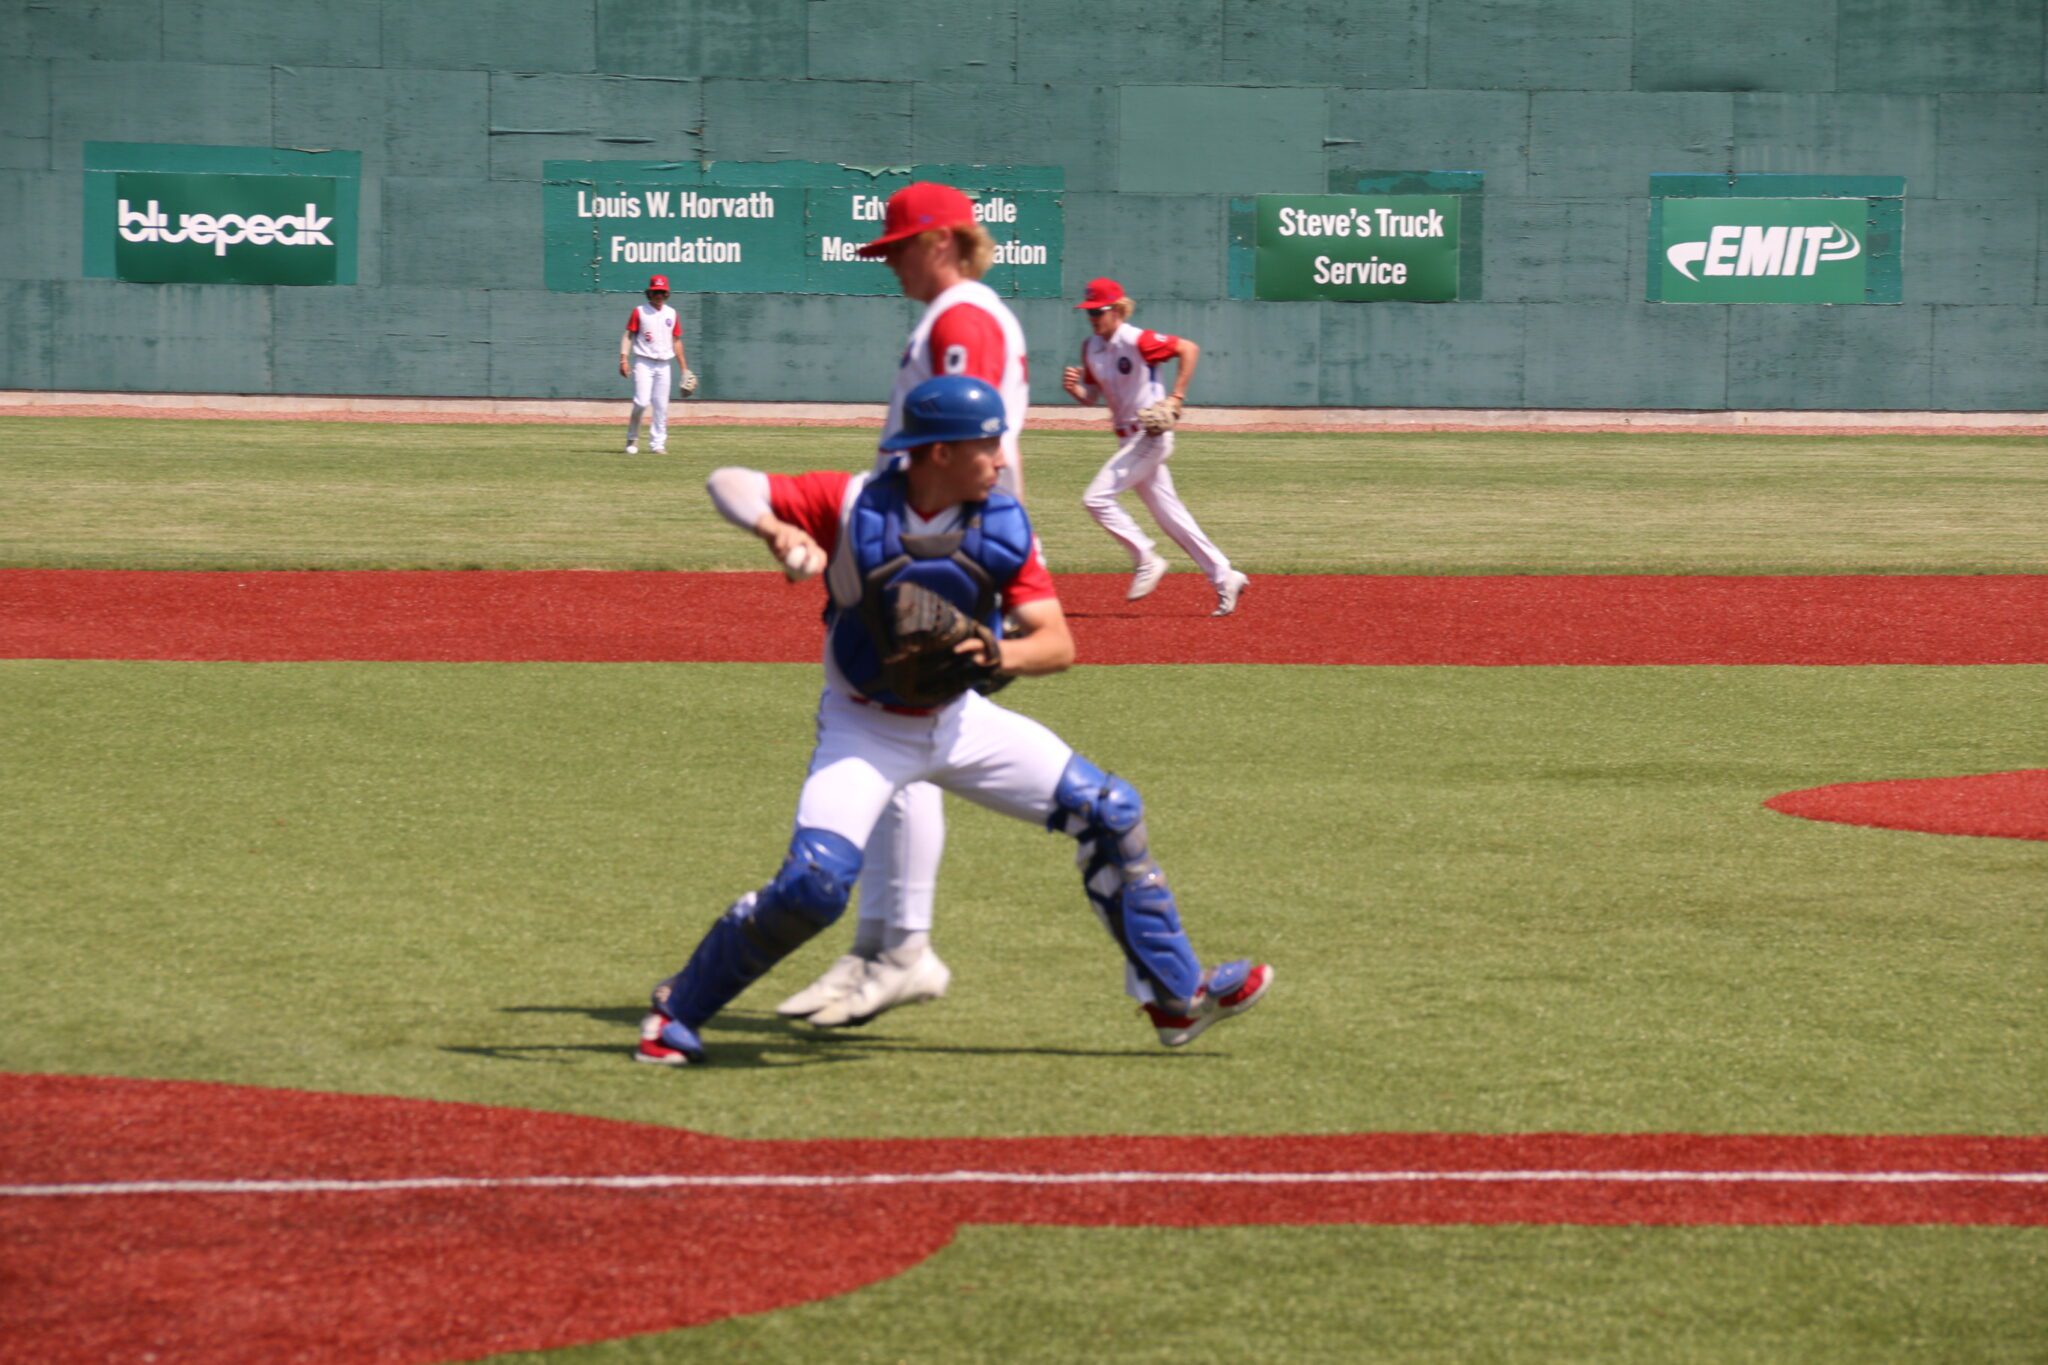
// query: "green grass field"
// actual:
[[1502, 900], [256, 495]]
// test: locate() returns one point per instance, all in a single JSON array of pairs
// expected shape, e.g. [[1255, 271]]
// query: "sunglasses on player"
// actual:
[[1095, 312]]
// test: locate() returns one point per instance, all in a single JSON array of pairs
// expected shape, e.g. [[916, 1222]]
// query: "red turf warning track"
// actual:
[[1995, 805], [347, 1273], [1297, 619]]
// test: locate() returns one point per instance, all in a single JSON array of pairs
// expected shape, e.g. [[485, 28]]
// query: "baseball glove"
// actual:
[[1161, 416], [923, 667], [689, 384]]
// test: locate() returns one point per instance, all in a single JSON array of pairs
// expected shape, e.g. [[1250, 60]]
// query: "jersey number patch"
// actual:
[[955, 360]]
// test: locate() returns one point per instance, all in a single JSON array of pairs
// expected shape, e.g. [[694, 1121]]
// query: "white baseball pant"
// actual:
[[650, 395], [1140, 465]]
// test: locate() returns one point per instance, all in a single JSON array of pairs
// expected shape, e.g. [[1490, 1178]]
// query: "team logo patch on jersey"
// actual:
[[956, 359], [1123, 364]]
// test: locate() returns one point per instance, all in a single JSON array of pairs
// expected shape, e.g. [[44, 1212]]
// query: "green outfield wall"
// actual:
[[1139, 138]]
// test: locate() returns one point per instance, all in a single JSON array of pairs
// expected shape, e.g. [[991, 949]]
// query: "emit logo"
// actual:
[[1741, 250]]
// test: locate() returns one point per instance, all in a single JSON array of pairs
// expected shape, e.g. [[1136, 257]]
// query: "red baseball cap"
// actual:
[[921, 207], [1102, 293], [659, 282]]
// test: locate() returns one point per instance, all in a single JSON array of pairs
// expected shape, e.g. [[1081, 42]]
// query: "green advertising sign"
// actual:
[[1356, 247], [1729, 240], [163, 213], [224, 229], [776, 227]]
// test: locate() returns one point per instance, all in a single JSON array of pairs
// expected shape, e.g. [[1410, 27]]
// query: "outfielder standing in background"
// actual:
[[1120, 366], [938, 251], [921, 564], [653, 339]]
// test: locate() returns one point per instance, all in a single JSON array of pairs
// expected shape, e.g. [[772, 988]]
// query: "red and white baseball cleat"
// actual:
[[1230, 990], [664, 1042]]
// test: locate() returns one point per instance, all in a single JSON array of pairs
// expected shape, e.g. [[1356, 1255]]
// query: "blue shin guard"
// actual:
[[1104, 813], [763, 927]]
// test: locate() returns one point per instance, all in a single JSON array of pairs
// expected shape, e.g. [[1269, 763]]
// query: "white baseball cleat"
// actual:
[[632, 447], [657, 450], [1146, 578], [1230, 590], [883, 986], [839, 979]]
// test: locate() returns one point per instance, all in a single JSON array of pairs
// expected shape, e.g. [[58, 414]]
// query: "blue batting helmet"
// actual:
[[951, 407]]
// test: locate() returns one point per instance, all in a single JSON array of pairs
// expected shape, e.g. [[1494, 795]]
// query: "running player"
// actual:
[[1120, 367]]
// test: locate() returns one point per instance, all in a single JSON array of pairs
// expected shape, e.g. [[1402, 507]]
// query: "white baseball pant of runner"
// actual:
[[650, 395], [1140, 465]]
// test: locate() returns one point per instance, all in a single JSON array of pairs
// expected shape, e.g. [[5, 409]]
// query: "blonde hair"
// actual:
[[1123, 308], [977, 250]]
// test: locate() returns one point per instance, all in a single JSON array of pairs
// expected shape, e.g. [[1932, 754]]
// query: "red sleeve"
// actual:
[[966, 340], [1157, 346], [1033, 582], [811, 501], [633, 322], [678, 329]]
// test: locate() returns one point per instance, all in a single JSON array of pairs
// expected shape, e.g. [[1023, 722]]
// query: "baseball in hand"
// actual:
[[802, 562]]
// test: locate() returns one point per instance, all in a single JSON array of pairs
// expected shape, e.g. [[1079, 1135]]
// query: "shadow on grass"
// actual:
[[766, 1040]]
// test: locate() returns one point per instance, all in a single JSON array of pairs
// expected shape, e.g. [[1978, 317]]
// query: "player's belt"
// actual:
[[858, 700], [1129, 431]]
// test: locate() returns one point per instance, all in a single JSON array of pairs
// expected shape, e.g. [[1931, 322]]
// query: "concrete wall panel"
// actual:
[[1069, 126], [1434, 130], [1993, 357], [27, 334], [1839, 135], [1158, 246], [1821, 358], [395, 340], [1584, 146], [1120, 42], [1359, 43], [1560, 250], [25, 114], [173, 338], [263, 32], [941, 40], [101, 30], [1584, 355], [863, 122], [1220, 140], [1993, 146], [1972, 250], [491, 35], [1734, 45], [1422, 355], [403, 122], [538, 118], [477, 234], [1937, 46], [1530, 44], [754, 39], [227, 106], [39, 224]]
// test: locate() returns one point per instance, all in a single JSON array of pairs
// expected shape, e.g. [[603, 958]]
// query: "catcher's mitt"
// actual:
[[922, 666], [689, 383], [1161, 416]]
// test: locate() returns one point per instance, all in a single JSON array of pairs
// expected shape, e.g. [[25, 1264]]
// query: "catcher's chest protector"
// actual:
[[969, 566]]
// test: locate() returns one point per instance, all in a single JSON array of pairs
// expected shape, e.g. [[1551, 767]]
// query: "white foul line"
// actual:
[[1045, 1178]]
